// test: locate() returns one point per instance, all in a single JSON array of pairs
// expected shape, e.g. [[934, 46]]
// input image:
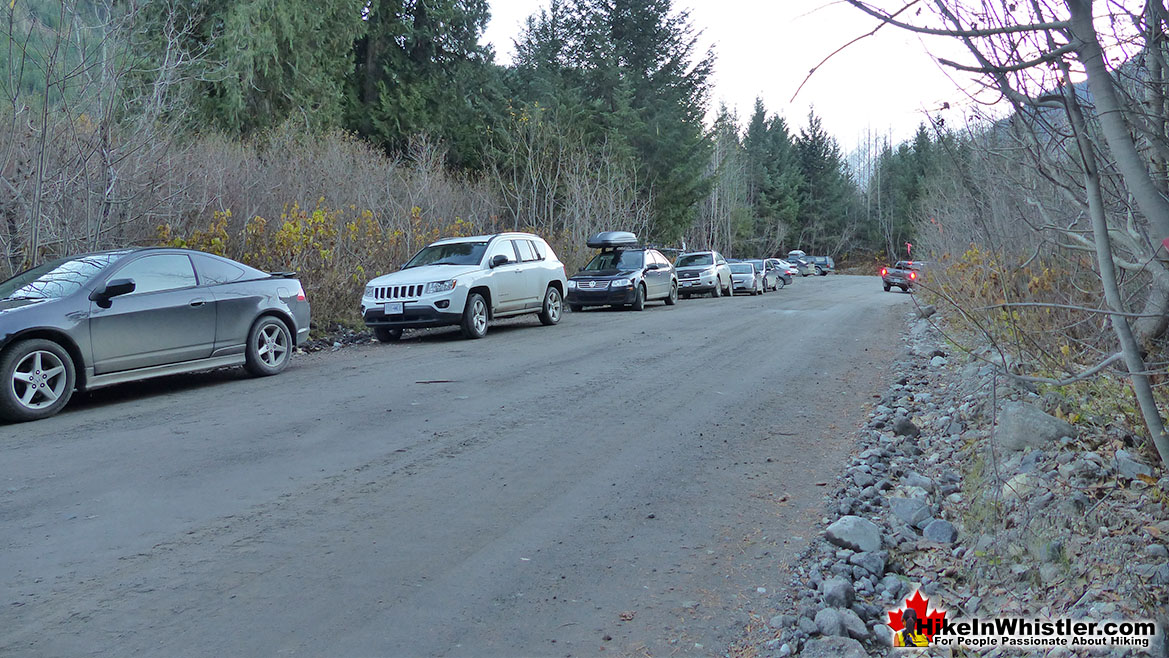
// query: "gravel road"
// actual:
[[622, 483]]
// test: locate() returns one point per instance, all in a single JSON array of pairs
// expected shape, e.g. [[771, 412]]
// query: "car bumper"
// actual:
[[601, 297], [745, 285], [696, 285], [897, 281], [412, 317]]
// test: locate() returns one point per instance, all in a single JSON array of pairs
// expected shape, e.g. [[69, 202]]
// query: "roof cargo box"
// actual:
[[609, 239]]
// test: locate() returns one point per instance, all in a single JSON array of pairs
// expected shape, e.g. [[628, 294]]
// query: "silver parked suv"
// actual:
[[467, 282], [701, 272]]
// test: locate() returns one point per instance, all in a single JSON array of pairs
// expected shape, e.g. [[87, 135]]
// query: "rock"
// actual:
[[780, 622], [853, 625], [937, 361], [863, 480], [855, 533], [882, 635], [838, 592], [910, 510], [941, 531], [829, 622], [1157, 550], [872, 562], [833, 647], [905, 427], [1020, 486], [919, 480], [807, 626], [1129, 467], [926, 311], [1024, 426]]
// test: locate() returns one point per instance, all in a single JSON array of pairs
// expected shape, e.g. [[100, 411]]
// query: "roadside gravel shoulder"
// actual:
[[977, 494]]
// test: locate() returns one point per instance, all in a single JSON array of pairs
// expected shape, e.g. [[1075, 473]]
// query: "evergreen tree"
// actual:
[[419, 69], [827, 203]]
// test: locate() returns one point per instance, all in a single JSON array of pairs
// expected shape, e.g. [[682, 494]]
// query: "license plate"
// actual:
[[393, 308]]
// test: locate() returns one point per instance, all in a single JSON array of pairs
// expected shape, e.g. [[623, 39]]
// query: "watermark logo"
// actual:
[[915, 625], [918, 625]]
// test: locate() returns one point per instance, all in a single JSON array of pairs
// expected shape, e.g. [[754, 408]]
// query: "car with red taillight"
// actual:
[[904, 275]]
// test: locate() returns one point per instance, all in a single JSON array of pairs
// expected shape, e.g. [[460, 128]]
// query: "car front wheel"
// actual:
[[474, 323], [269, 347], [38, 380], [553, 305], [639, 301]]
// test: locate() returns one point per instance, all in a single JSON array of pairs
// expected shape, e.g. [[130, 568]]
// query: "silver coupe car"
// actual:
[[97, 319]]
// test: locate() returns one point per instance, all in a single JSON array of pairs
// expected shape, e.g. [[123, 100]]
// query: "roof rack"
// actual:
[[612, 240]]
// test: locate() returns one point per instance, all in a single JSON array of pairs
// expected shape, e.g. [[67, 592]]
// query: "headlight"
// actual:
[[439, 286], [708, 271], [369, 291], [571, 284], [623, 283]]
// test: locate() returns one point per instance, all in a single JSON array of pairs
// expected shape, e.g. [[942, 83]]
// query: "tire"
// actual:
[[474, 323], [39, 376], [269, 347], [639, 302], [887, 287], [718, 289], [672, 298], [820, 272], [780, 283], [387, 334], [730, 291], [553, 307], [576, 308]]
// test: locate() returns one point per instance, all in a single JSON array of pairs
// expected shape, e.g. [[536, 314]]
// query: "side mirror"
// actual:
[[497, 260], [112, 288], [652, 266]]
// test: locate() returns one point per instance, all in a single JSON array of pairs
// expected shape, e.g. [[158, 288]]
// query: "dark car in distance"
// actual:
[[624, 273], [97, 319]]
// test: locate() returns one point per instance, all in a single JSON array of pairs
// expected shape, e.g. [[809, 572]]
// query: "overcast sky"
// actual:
[[765, 48]]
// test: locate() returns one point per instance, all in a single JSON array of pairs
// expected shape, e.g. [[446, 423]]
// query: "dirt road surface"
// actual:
[[621, 484]]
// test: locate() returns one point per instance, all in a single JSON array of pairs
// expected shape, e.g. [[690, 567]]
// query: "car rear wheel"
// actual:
[[779, 283], [673, 297], [639, 301], [269, 347], [887, 287], [553, 305], [820, 271], [474, 323], [387, 335], [38, 380]]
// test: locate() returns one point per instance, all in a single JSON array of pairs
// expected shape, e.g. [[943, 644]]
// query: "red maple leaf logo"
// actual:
[[930, 622]]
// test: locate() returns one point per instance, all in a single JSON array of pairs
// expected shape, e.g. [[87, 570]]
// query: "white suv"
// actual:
[[467, 282]]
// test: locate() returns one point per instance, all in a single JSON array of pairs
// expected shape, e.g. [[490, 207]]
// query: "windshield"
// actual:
[[694, 260], [453, 253], [742, 268], [616, 260], [57, 279]]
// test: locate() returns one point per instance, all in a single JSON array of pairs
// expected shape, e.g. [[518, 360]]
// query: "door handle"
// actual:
[[197, 302]]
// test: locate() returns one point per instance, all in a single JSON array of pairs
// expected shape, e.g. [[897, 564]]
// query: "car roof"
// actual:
[[487, 238]]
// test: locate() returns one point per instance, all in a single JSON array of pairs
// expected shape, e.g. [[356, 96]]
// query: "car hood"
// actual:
[[423, 274], [604, 274], [12, 305]]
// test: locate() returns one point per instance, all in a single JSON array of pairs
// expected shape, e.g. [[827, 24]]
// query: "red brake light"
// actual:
[[883, 271], [300, 294], [913, 275]]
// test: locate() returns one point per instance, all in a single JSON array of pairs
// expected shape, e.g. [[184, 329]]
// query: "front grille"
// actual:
[[593, 285], [397, 292], [688, 275]]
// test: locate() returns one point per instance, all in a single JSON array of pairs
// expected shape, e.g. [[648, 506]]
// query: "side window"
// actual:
[[538, 249], [524, 247], [213, 271], [502, 247], [159, 272], [661, 260]]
